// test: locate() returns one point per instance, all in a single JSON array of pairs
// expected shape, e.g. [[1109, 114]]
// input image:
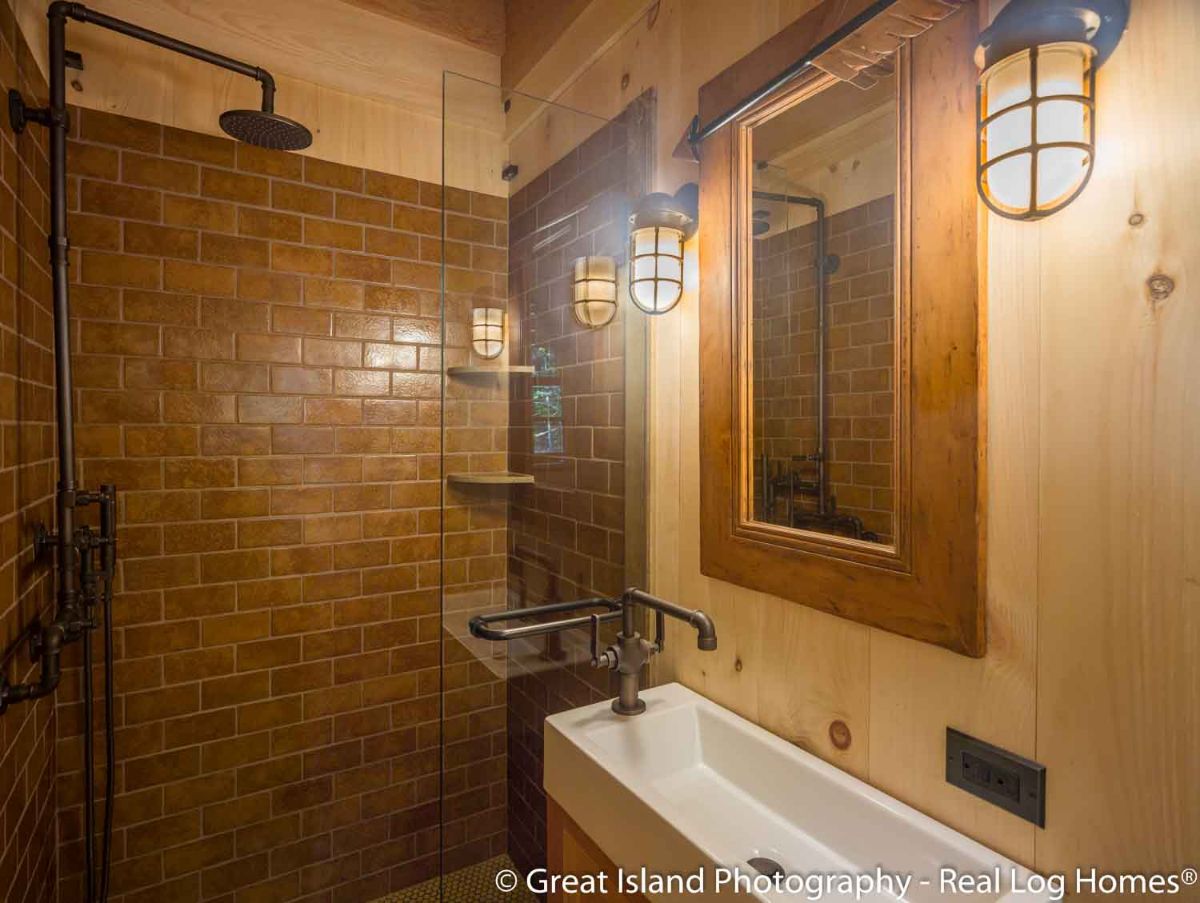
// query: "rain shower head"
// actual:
[[265, 129]]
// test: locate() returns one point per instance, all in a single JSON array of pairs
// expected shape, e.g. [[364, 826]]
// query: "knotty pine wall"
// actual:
[[369, 86], [1094, 428]]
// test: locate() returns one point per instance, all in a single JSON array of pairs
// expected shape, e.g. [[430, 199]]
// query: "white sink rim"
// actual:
[[579, 728]]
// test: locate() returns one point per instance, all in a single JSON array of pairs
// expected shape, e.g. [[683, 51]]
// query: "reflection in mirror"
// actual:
[[823, 313]]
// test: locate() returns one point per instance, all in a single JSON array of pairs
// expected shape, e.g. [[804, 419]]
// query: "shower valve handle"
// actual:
[[607, 658]]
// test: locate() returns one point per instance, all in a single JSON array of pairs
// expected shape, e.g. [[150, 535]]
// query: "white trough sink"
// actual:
[[690, 786]]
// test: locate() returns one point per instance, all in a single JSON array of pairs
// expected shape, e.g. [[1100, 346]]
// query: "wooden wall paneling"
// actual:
[[672, 46], [1119, 535], [1092, 583], [917, 692], [540, 133], [367, 104]]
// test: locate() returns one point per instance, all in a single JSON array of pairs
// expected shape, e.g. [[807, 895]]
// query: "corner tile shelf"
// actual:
[[488, 371], [503, 478]]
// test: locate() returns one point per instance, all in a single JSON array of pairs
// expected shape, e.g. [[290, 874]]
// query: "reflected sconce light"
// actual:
[[594, 291], [487, 331], [657, 230], [1036, 122]]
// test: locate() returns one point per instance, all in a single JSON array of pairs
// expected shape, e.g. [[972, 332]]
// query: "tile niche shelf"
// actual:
[[502, 478]]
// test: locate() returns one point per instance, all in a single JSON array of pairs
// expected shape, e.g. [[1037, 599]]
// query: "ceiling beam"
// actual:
[[477, 23]]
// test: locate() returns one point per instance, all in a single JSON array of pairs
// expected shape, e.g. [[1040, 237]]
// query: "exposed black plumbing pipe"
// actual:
[[80, 13], [824, 265], [83, 582], [699, 132]]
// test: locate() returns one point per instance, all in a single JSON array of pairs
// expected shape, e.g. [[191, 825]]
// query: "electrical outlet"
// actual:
[[1002, 778]]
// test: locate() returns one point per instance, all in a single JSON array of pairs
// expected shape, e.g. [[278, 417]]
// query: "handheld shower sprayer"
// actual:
[[86, 557]]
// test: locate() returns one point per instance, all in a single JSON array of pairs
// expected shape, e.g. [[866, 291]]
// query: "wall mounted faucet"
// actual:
[[631, 651]]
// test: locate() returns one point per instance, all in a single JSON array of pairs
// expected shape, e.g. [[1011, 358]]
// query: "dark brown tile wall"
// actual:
[[860, 319], [475, 519], [259, 371], [27, 479], [567, 532]]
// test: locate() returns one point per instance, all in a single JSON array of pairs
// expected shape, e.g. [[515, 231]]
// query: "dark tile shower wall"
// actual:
[[859, 357], [259, 370], [27, 479], [567, 427], [475, 536]]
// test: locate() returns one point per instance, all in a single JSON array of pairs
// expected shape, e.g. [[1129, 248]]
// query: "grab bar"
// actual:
[[479, 628]]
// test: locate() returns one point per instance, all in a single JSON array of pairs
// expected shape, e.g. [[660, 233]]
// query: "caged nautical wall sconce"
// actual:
[[594, 291], [1036, 123], [657, 230], [487, 331]]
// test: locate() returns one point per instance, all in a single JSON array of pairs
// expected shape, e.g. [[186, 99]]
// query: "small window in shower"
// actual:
[[547, 420]]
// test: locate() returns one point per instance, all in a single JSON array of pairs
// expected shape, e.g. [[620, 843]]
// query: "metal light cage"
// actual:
[[487, 331], [594, 291], [1036, 145], [656, 268]]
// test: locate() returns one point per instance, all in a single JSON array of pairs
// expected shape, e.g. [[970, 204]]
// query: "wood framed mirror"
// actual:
[[841, 409]]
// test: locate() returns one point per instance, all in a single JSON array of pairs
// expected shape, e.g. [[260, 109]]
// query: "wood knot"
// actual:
[[1136, 219], [1160, 286], [624, 81], [737, 665], [839, 734]]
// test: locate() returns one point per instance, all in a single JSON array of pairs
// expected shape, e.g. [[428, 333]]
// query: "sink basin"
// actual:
[[690, 786]]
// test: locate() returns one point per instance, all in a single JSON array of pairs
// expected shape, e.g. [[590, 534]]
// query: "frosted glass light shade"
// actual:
[[487, 331], [594, 291], [656, 268], [1036, 129]]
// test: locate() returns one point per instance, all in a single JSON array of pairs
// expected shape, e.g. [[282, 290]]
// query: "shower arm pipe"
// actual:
[[62, 10], [699, 132], [70, 621], [818, 206]]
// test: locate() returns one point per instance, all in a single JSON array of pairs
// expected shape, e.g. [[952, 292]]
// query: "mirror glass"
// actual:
[[823, 310]]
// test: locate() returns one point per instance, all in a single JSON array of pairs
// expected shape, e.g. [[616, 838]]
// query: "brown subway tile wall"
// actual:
[[258, 360], [859, 356], [475, 440], [27, 474], [567, 427]]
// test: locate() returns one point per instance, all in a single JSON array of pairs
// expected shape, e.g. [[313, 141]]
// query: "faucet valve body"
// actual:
[[631, 651]]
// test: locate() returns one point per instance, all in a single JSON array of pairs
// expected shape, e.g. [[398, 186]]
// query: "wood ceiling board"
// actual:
[[817, 117], [479, 23], [533, 27]]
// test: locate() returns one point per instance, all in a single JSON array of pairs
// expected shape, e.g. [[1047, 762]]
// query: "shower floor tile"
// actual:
[[474, 884]]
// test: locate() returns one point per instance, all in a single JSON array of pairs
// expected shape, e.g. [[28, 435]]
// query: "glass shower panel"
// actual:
[[542, 445]]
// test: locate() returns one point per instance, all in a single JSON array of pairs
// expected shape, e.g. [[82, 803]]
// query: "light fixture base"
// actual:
[[1027, 23], [678, 211]]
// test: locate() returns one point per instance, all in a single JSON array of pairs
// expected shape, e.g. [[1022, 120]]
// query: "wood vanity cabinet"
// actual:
[[571, 852]]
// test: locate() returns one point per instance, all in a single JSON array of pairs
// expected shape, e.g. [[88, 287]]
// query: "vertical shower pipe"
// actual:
[[63, 386], [822, 266]]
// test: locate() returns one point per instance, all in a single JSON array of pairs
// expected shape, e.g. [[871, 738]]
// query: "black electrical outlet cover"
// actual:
[[1012, 782]]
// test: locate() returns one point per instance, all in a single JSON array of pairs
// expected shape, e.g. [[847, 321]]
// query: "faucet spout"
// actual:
[[706, 633]]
